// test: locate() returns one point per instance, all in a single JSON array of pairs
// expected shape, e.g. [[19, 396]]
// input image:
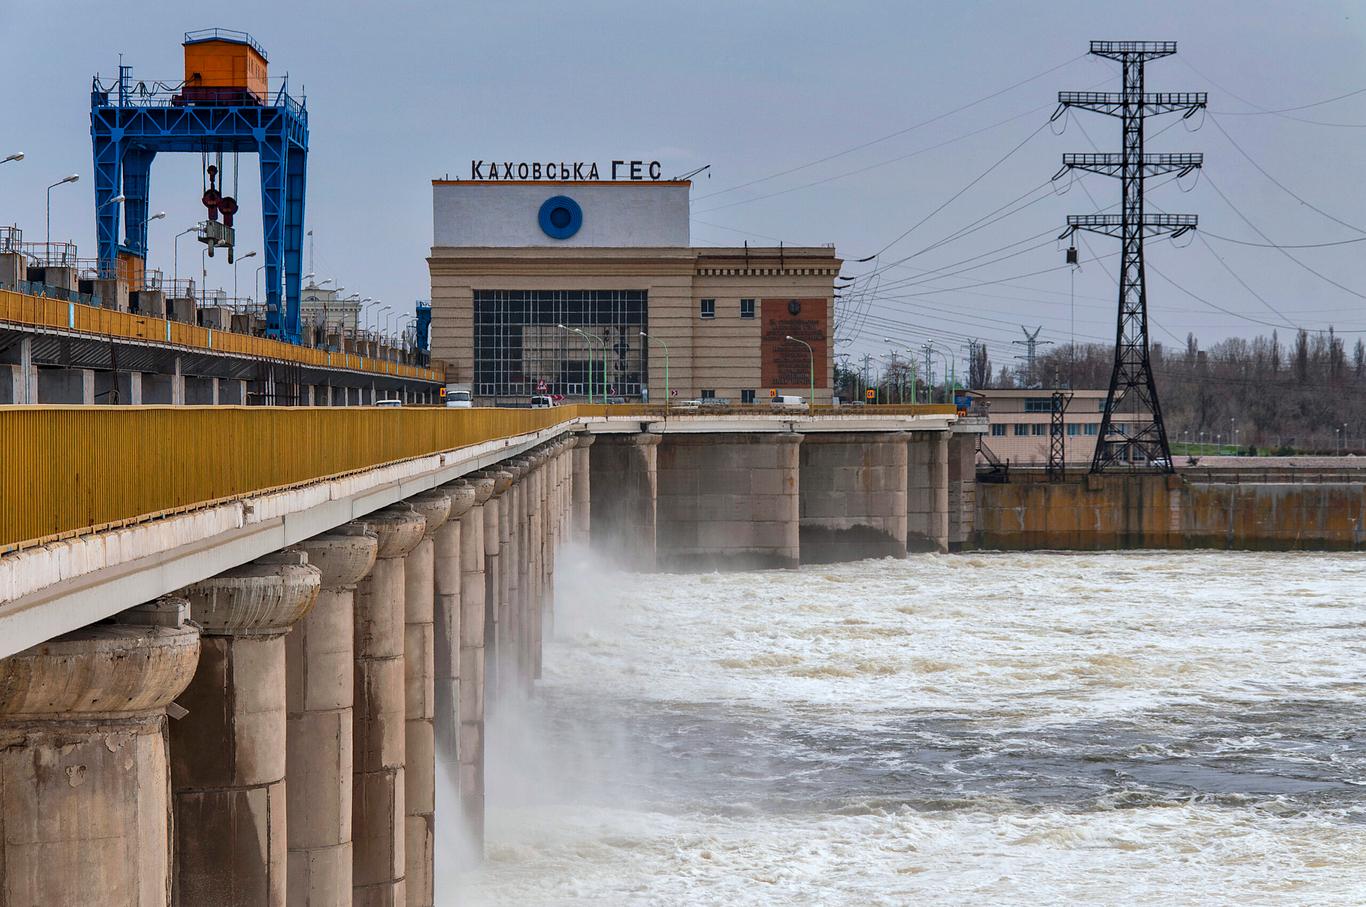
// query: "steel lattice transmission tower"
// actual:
[[1131, 431]]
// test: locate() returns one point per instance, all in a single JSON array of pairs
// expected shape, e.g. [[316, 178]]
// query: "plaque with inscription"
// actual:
[[787, 364]]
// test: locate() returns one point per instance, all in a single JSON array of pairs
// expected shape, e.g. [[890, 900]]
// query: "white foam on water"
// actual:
[[986, 728]]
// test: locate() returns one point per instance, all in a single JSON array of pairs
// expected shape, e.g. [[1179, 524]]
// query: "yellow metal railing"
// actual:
[[40, 311], [66, 470], [69, 469]]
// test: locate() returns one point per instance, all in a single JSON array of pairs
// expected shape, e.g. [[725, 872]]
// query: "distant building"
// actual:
[[1020, 420], [518, 267], [320, 305]]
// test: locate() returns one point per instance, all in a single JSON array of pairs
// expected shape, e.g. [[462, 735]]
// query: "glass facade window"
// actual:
[[707, 308], [1021, 429], [1073, 429], [998, 430], [520, 351], [1038, 404], [747, 396], [1039, 428], [1093, 428], [708, 393], [747, 309]]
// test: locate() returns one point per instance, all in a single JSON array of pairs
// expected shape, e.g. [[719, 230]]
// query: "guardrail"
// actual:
[[72, 470], [22, 308]]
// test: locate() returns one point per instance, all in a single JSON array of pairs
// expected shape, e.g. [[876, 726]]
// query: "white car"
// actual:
[[389, 402], [542, 401], [459, 400]]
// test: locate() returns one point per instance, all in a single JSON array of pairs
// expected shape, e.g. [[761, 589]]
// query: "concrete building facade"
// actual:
[[1020, 419], [518, 268]]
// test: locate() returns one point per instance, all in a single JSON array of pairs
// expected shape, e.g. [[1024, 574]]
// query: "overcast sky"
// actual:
[[401, 92]]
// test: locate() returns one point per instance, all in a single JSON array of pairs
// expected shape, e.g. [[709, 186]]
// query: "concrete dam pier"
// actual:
[[247, 701]]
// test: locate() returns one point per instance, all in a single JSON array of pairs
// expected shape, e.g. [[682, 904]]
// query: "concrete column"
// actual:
[[377, 804], [853, 496], [319, 692], [962, 490], [495, 580], [927, 499], [538, 531], [177, 385], [28, 374], [623, 472], [519, 578], [581, 503], [729, 501], [135, 388], [85, 813], [473, 558], [419, 682], [228, 753]]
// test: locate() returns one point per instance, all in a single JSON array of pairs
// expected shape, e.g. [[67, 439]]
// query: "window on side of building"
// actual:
[[708, 308], [1093, 428], [998, 430], [1038, 404], [747, 309], [746, 396], [1073, 430], [708, 393], [1021, 429], [1039, 428]]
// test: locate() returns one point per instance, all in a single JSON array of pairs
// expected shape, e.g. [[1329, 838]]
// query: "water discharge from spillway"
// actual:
[[1032, 728]]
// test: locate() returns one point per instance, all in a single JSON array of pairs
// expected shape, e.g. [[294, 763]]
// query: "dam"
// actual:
[[243, 672]]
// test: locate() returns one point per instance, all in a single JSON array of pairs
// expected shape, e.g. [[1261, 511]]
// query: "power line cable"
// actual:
[[1278, 183], [892, 135]]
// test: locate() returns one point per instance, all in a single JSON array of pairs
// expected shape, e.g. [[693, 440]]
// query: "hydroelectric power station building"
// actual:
[[549, 286]]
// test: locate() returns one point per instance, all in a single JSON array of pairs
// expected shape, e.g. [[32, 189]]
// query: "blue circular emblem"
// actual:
[[560, 217]]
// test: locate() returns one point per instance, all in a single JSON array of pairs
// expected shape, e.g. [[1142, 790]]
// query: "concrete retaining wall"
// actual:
[[853, 496], [1118, 511], [728, 501]]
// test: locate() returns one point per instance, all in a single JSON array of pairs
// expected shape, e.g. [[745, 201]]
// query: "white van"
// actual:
[[542, 401], [459, 398], [393, 401], [787, 401]]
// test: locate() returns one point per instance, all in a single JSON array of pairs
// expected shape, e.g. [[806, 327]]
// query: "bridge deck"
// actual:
[[54, 315]]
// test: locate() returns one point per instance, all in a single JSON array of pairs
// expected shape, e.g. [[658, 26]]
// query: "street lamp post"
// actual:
[[589, 339], [811, 400], [666, 365], [239, 259], [175, 253], [47, 245]]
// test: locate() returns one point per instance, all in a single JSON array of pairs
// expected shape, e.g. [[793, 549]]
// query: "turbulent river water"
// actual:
[[1038, 728]]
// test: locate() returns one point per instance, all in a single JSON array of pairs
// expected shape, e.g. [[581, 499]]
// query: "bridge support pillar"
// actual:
[[623, 479], [495, 579], [85, 816], [319, 694], [512, 622], [473, 611], [228, 754], [853, 496], [927, 505], [581, 504], [729, 501], [419, 682], [377, 805], [962, 475]]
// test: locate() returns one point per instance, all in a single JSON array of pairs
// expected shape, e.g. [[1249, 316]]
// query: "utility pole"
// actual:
[[1031, 345], [1057, 436], [1139, 440]]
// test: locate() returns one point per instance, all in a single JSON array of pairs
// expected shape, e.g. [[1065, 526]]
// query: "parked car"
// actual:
[[542, 401], [391, 402], [615, 401], [787, 401]]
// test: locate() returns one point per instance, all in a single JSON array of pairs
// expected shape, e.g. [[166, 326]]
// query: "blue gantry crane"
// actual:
[[225, 104]]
